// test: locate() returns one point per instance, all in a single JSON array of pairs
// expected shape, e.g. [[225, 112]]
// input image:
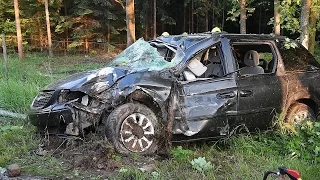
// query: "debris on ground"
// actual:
[[13, 170], [148, 168], [92, 154]]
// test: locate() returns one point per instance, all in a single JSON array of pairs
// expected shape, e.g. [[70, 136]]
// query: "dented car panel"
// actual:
[[152, 73], [208, 111]]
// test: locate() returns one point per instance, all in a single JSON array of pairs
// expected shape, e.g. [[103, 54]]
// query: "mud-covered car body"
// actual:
[[191, 106]]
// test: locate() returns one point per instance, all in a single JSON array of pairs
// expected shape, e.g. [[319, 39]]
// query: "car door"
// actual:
[[209, 104], [260, 100], [259, 95]]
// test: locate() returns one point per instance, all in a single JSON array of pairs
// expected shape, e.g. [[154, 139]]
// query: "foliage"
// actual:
[[305, 143], [104, 20], [6, 128], [235, 11], [28, 78], [7, 23], [15, 138], [288, 44], [200, 164], [181, 154], [88, 17], [290, 13]]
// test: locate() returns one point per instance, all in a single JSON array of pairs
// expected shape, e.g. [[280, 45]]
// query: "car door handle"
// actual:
[[245, 93], [226, 95]]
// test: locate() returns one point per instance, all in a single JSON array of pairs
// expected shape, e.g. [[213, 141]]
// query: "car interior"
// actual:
[[206, 64], [254, 58]]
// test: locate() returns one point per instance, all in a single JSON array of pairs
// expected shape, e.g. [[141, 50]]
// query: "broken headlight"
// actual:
[[66, 96]]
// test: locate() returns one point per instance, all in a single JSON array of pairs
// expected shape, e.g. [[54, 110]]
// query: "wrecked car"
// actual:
[[185, 87]]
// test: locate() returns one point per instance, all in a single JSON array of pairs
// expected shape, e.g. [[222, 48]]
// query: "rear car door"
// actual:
[[259, 95]]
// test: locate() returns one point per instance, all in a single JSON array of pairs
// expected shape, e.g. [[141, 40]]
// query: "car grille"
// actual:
[[42, 99]]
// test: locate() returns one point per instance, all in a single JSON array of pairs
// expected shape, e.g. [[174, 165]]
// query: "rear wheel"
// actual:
[[298, 113], [132, 129]]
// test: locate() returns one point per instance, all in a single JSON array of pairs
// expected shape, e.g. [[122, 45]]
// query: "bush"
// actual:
[[305, 143]]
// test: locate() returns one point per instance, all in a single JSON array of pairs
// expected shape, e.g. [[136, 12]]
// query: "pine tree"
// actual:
[[130, 18], [18, 27]]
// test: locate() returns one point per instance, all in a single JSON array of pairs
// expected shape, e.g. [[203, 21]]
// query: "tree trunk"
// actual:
[[197, 20], [87, 45], [223, 14], [192, 20], [213, 15], [243, 17], [46, 4], [207, 19], [154, 19], [276, 17], [304, 23], [189, 21], [131, 37], [40, 33], [146, 30], [66, 33], [184, 17], [5, 56], [313, 23], [260, 18], [19, 35]]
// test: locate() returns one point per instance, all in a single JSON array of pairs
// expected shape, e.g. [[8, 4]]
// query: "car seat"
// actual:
[[214, 67], [251, 60]]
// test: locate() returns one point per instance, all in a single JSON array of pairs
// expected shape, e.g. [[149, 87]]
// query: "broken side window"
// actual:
[[142, 56], [206, 64]]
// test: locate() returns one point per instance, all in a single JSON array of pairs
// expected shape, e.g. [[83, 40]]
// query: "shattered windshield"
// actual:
[[142, 56]]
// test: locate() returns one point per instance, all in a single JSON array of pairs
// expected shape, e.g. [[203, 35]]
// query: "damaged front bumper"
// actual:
[[50, 117], [69, 112]]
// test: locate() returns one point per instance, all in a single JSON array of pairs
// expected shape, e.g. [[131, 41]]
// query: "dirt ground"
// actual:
[[92, 154]]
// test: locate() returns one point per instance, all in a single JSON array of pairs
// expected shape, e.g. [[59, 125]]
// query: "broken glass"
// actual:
[[142, 56]]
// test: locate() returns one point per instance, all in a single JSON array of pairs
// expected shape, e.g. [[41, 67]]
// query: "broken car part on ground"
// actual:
[[185, 87]]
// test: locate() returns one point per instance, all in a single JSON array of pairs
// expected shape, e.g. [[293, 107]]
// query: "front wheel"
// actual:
[[132, 129]]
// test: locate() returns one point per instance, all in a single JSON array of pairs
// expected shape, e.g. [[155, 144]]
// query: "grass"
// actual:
[[239, 157], [27, 78], [16, 138], [244, 157]]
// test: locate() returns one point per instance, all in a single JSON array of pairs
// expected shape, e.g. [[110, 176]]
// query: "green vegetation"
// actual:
[[237, 157], [27, 78], [15, 138]]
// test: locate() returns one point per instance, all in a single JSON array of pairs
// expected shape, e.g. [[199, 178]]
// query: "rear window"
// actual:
[[297, 58]]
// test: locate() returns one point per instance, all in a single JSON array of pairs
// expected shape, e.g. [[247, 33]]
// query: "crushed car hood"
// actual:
[[96, 79]]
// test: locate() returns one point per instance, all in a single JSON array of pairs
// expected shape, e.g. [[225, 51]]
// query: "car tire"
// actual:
[[132, 128], [298, 113]]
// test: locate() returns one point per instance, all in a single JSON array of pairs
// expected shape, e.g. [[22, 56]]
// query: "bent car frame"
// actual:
[[192, 87]]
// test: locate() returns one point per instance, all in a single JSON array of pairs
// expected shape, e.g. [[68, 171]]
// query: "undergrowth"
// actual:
[[16, 138]]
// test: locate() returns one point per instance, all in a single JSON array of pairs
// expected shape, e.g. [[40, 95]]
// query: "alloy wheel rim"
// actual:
[[301, 116], [137, 132]]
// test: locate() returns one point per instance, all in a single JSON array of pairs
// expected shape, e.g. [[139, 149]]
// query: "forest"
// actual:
[[46, 40], [70, 26]]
